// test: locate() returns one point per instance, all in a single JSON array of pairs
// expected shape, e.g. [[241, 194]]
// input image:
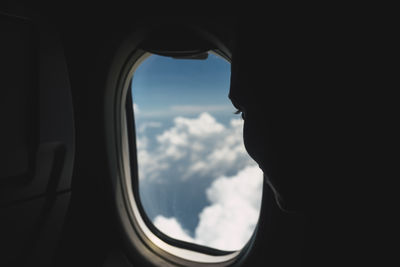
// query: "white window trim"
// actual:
[[190, 257]]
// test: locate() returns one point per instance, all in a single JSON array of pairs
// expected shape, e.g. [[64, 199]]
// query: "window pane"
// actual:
[[196, 180]]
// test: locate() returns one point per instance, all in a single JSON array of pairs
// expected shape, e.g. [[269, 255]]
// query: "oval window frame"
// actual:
[[137, 236]]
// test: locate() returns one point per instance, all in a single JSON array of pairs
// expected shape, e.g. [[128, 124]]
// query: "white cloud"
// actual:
[[195, 147], [171, 227], [205, 124], [148, 124], [229, 221], [203, 148]]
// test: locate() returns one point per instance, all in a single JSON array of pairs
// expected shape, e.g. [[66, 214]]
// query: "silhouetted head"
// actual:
[[271, 140], [273, 86]]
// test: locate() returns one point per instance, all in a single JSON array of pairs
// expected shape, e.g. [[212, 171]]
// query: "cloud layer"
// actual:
[[229, 221], [201, 148], [193, 148]]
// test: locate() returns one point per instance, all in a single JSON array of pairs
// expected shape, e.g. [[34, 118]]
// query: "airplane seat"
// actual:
[[37, 140]]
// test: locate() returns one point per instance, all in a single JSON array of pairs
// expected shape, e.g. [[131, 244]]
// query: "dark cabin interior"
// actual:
[[57, 203]]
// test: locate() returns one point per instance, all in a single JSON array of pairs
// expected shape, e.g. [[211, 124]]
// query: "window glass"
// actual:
[[196, 180]]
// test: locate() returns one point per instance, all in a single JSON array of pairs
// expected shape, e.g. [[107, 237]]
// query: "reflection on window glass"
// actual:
[[196, 180]]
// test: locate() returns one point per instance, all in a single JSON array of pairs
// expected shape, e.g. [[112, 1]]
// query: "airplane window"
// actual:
[[196, 181]]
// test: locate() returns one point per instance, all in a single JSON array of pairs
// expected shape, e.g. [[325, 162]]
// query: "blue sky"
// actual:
[[165, 86], [196, 181]]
